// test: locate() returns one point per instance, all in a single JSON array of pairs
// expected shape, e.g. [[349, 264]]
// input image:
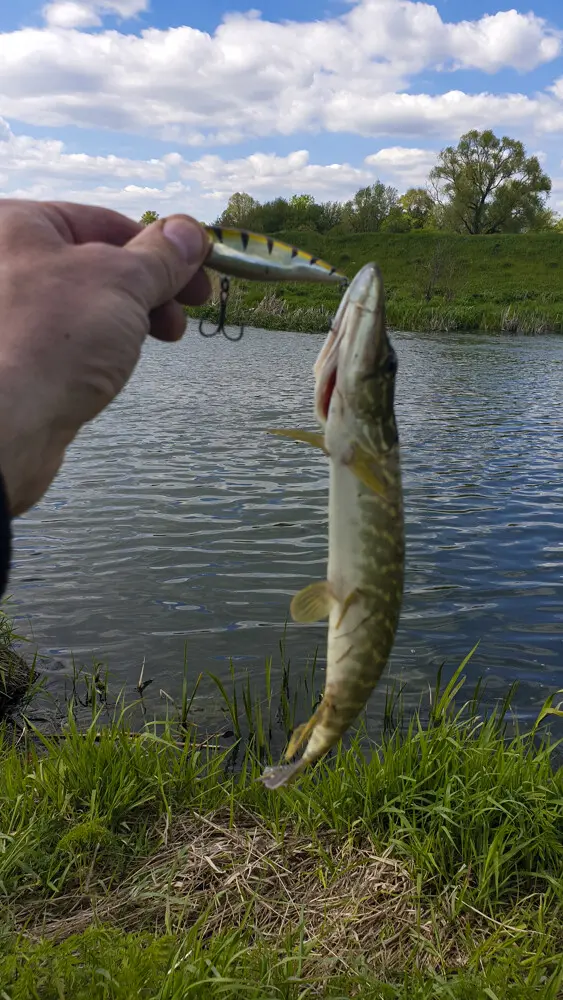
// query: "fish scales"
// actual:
[[362, 596], [242, 254]]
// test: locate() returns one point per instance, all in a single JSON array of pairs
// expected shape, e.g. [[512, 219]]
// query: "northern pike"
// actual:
[[362, 595], [240, 254]]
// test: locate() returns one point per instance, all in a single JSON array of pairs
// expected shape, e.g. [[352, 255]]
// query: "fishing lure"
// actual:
[[239, 254]]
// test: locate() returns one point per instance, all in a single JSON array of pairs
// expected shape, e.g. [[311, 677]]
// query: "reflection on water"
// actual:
[[177, 519]]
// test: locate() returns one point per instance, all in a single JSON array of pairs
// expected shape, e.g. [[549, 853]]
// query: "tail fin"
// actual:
[[277, 777]]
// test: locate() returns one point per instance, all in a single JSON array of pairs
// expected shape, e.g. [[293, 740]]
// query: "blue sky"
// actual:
[[174, 106]]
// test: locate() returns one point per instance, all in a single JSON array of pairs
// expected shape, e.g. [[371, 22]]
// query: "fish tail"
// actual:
[[277, 777]]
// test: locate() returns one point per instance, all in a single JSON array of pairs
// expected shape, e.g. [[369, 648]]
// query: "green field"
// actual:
[[148, 864], [433, 281]]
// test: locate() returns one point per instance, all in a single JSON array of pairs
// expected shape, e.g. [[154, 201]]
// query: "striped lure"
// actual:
[[260, 258], [239, 254]]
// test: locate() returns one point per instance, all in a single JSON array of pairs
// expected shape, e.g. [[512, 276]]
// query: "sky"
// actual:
[[173, 106]]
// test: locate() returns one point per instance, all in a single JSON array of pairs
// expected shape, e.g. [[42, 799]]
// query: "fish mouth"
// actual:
[[356, 339]]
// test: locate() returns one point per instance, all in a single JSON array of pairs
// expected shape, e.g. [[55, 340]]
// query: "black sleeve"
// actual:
[[5, 537]]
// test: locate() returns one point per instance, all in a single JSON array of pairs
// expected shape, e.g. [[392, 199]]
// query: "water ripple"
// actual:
[[178, 519]]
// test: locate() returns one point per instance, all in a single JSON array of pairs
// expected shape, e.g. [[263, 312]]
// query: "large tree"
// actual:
[[489, 185], [370, 206], [418, 205], [241, 211]]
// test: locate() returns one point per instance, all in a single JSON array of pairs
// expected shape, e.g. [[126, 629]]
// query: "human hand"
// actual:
[[80, 289]]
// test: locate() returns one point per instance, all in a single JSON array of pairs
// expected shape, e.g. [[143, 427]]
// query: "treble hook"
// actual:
[[225, 285]]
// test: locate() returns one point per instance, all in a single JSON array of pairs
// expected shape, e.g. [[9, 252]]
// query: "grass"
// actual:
[[149, 863], [433, 281], [17, 678]]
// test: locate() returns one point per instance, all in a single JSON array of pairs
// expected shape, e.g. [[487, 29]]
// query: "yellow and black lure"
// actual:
[[240, 254]]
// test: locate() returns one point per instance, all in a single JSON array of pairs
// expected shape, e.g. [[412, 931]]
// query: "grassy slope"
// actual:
[[508, 282], [143, 866]]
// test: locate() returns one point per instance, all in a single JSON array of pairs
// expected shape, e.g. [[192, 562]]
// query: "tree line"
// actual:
[[484, 185]]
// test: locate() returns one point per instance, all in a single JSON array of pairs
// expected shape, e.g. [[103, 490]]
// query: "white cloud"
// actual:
[[89, 13], [557, 88], [409, 167], [42, 169], [267, 175], [503, 39], [254, 78], [417, 33], [442, 114], [22, 154]]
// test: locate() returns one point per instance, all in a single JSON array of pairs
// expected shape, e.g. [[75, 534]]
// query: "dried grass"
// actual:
[[353, 903]]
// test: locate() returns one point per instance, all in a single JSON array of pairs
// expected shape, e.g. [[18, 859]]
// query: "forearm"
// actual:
[[32, 444], [80, 289]]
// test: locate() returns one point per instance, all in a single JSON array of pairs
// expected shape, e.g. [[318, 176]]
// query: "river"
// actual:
[[178, 525]]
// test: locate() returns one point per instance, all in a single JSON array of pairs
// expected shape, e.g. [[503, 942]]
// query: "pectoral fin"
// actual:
[[313, 438], [350, 600], [313, 603], [299, 736], [363, 465]]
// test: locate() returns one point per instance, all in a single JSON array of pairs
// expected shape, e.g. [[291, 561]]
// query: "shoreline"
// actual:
[[424, 864], [434, 282]]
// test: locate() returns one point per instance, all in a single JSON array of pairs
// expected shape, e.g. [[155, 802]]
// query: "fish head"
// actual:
[[356, 369]]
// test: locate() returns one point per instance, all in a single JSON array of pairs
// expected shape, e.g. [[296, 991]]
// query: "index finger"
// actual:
[[90, 224], [44, 224]]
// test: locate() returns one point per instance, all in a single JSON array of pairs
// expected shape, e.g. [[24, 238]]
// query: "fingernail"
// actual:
[[187, 237]]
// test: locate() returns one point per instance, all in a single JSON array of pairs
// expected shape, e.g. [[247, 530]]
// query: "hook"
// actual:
[[225, 285]]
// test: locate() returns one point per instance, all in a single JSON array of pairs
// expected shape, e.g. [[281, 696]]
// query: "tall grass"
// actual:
[[152, 863]]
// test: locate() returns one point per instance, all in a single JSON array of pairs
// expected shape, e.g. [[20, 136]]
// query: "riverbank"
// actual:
[[433, 282], [152, 863]]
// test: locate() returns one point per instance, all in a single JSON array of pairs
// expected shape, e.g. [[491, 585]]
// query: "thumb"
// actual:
[[168, 254]]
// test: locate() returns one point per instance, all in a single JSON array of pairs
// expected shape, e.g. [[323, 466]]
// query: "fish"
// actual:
[[355, 376], [241, 254]]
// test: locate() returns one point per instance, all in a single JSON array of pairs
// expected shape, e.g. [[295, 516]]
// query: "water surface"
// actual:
[[176, 520]]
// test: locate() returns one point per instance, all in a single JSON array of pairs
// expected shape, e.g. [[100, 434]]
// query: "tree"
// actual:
[[418, 205], [275, 215], [370, 206], [303, 211], [330, 215], [241, 211], [396, 221], [489, 185], [149, 217]]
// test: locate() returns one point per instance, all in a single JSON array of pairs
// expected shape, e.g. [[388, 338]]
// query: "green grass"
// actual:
[[154, 864], [433, 281]]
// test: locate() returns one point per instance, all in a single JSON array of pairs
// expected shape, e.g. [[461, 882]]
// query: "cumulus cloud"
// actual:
[[43, 169], [266, 175], [89, 13], [503, 39], [254, 78], [409, 167], [21, 154], [441, 114]]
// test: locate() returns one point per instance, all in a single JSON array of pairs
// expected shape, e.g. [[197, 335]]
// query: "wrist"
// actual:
[[30, 450]]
